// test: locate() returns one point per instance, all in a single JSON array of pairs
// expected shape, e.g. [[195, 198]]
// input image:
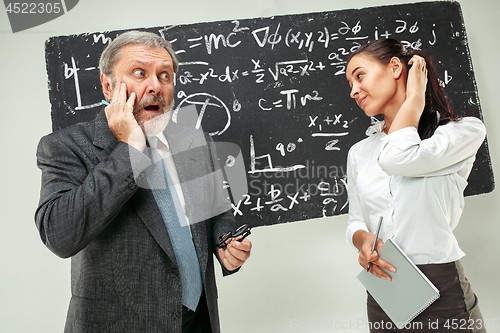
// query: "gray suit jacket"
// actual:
[[124, 276]]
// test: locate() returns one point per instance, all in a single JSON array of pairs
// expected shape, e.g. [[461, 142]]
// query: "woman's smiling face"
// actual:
[[373, 85]]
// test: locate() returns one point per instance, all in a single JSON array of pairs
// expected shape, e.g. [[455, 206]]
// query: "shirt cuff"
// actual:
[[352, 228]]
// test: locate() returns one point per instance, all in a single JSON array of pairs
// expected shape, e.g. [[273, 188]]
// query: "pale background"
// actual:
[[300, 273]]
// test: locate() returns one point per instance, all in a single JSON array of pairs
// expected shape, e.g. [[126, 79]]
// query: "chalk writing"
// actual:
[[276, 87]]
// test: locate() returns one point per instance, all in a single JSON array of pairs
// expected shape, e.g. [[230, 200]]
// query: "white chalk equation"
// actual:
[[289, 101], [276, 35], [264, 194]]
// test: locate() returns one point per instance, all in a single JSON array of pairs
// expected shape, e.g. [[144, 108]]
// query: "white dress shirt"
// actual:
[[416, 185], [165, 153]]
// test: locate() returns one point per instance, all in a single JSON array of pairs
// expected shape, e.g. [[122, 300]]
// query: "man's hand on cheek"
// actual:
[[121, 118]]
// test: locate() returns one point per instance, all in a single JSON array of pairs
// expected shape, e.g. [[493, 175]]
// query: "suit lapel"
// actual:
[[103, 137], [143, 200], [146, 207]]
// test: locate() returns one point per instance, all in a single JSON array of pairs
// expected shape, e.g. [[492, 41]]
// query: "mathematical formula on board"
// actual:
[[276, 87], [264, 37]]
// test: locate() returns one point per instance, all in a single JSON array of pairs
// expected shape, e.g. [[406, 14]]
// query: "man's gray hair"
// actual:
[[111, 54]]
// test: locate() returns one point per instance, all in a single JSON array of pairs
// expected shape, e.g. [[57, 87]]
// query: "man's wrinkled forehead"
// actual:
[[141, 55]]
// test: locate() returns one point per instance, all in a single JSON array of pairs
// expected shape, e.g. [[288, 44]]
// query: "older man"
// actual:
[[135, 201]]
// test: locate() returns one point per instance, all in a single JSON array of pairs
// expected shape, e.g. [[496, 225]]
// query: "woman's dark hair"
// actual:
[[437, 111]]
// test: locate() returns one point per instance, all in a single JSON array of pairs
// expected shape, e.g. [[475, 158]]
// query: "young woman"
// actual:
[[412, 170]]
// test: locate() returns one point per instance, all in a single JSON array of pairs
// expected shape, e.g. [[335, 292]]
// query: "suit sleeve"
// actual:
[[78, 198], [223, 220]]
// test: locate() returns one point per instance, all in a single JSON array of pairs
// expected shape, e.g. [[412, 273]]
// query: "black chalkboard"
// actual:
[[276, 87]]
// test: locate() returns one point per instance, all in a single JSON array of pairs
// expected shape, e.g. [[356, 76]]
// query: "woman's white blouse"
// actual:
[[416, 185]]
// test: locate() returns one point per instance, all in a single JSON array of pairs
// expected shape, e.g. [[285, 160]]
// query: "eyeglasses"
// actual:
[[225, 239]]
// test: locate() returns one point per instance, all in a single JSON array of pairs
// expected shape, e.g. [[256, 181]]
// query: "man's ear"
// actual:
[[397, 67], [107, 86]]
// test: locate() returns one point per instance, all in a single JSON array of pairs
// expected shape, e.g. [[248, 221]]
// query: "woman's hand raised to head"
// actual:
[[410, 111], [417, 82]]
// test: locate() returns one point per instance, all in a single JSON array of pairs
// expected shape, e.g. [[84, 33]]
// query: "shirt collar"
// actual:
[[164, 143], [161, 137], [376, 128]]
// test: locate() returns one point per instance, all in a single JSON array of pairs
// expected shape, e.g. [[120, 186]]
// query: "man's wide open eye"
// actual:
[[138, 72]]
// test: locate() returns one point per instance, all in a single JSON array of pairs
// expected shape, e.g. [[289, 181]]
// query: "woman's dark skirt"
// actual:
[[456, 309]]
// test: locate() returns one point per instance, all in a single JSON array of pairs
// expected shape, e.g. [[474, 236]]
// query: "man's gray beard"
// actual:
[[156, 124]]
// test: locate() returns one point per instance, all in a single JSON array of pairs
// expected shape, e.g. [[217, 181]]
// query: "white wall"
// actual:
[[299, 273]]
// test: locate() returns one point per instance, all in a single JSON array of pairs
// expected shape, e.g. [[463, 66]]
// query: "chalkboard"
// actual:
[[276, 87]]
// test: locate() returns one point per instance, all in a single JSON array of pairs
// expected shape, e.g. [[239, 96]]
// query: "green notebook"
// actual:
[[408, 294]]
